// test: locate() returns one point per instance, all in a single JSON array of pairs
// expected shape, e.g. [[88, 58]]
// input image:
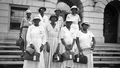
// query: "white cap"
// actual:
[[36, 17], [74, 7], [68, 20], [28, 11], [85, 23]]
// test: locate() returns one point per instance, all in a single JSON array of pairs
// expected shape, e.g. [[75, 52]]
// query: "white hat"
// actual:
[[36, 17], [74, 7], [68, 20], [28, 11], [85, 23]]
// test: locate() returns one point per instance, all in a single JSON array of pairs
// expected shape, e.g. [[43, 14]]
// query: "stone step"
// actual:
[[11, 66], [107, 57], [106, 62], [11, 63], [108, 45], [108, 49], [8, 42], [10, 52], [108, 53], [9, 56], [95, 62], [7, 47]]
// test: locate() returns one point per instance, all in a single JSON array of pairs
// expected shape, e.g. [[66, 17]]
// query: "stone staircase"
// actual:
[[10, 55], [105, 55]]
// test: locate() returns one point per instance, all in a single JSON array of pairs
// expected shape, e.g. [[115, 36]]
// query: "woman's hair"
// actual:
[[52, 17], [39, 10]]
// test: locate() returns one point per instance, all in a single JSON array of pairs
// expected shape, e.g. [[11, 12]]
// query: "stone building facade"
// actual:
[[103, 16]]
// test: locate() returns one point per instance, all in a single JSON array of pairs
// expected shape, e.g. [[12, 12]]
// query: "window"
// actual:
[[17, 13]]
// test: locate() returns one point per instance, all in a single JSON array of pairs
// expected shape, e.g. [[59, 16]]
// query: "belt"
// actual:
[[86, 49], [24, 26]]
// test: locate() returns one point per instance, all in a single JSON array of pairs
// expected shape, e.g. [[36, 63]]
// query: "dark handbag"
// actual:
[[57, 57], [20, 42], [68, 55], [80, 58], [30, 50], [34, 57], [31, 54]]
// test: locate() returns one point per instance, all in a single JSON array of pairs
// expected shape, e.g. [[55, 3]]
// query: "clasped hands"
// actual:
[[41, 48], [69, 47]]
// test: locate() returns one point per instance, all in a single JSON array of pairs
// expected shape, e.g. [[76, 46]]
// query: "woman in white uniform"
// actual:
[[53, 30], [60, 18], [37, 37], [25, 23], [86, 42], [44, 18], [68, 39], [74, 17]]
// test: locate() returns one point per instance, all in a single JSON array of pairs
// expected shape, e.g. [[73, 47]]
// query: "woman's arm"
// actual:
[[28, 36], [72, 44], [47, 38], [94, 42], [78, 44], [63, 42], [43, 40]]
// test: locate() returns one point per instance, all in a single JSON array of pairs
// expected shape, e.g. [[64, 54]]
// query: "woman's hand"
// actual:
[[70, 47], [67, 48], [58, 48], [92, 48], [47, 47], [41, 48], [32, 46]]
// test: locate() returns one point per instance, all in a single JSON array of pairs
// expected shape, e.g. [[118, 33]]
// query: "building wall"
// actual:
[[94, 14], [5, 14], [91, 12]]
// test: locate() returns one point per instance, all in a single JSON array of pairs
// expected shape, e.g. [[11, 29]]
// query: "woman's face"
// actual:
[[57, 12], [85, 26], [36, 22], [74, 10], [68, 24], [53, 19], [28, 14]]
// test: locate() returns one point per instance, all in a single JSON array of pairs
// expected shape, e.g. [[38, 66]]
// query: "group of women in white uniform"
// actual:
[[50, 35]]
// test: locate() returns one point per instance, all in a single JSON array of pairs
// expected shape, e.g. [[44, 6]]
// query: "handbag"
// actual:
[[80, 58], [30, 50], [68, 55], [33, 57], [20, 42], [31, 54], [57, 57]]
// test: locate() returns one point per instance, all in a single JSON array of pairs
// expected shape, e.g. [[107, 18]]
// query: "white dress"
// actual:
[[44, 20], [68, 36], [25, 22], [61, 21], [75, 18], [53, 40], [36, 36], [85, 43]]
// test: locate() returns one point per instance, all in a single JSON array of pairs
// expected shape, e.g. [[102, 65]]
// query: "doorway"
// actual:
[[110, 24]]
